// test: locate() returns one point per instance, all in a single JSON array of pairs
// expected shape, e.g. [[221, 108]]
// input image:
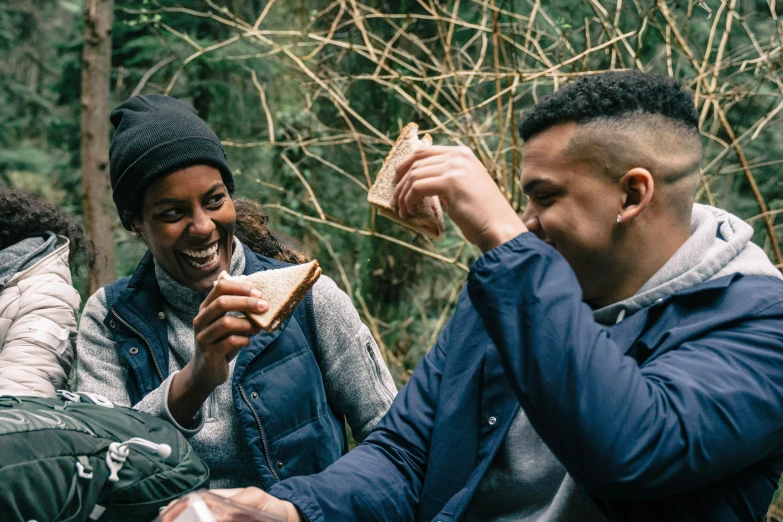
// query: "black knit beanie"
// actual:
[[156, 135]]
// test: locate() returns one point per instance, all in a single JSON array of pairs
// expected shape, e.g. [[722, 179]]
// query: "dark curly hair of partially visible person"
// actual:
[[24, 215], [251, 229], [608, 95]]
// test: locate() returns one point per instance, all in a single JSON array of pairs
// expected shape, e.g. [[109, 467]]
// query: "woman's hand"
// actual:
[[266, 503], [466, 190], [250, 497], [219, 337]]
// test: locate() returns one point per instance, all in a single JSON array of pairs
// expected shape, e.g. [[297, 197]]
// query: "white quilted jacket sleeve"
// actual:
[[38, 328]]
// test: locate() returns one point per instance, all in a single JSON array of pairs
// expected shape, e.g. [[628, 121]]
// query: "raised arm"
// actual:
[[686, 419]]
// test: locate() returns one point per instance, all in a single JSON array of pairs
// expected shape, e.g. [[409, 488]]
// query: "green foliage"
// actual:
[[39, 104], [335, 104], [331, 99]]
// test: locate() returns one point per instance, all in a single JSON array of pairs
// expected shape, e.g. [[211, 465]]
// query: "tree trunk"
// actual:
[[96, 74]]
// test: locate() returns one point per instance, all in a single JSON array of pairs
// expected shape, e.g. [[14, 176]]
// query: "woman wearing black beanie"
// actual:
[[258, 407]]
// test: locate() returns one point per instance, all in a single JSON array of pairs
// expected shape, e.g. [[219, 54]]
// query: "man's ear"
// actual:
[[638, 188]]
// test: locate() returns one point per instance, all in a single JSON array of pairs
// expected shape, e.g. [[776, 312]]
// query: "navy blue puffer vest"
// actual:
[[277, 385]]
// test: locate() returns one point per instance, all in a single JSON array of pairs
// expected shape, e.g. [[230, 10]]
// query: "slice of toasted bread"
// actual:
[[283, 289], [428, 217]]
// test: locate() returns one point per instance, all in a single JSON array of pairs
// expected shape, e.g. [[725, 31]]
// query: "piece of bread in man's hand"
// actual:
[[283, 289], [428, 216]]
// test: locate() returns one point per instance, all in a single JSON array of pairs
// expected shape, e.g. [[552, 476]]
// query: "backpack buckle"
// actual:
[[68, 396], [115, 458], [95, 398], [83, 468]]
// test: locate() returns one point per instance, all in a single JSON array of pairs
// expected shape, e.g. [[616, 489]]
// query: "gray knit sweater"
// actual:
[[356, 380]]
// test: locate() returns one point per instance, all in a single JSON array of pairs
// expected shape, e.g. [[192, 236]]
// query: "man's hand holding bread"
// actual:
[[465, 189]]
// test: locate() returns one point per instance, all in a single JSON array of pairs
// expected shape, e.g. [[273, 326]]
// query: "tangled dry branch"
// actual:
[[467, 68]]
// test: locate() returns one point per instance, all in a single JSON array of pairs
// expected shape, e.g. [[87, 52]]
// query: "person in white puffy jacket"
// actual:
[[38, 303]]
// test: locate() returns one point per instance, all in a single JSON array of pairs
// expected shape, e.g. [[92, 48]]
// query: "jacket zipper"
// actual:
[[386, 392], [149, 347], [261, 430]]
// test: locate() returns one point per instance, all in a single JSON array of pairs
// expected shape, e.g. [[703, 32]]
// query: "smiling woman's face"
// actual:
[[187, 221]]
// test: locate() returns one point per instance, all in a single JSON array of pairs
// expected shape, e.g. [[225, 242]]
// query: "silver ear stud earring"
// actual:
[[619, 218]]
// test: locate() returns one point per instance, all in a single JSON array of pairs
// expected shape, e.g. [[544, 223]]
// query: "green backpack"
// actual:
[[81, 458]]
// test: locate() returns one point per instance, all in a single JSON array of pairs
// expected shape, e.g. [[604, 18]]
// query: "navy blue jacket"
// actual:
[[675, 413], [277, 385]]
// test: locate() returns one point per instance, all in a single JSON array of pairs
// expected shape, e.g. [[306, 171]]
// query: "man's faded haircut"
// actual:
[[612, 95]]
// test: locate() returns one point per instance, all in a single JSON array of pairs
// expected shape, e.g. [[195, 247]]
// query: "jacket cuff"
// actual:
[[523, 241], [194, 426], [306, 506]]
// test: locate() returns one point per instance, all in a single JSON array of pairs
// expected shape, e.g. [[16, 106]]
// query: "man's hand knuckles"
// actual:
[[464, 152], [413, 194]]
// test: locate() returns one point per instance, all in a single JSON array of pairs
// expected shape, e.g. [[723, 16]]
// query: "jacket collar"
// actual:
[[145, 271], [19, 260], [252, 262], [712, 285], [635, 326]]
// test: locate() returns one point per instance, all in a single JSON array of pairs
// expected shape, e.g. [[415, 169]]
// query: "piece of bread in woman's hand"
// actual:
[[283, 289], [428, 215]]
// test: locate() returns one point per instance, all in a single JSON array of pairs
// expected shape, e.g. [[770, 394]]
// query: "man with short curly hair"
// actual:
[[615, 354]]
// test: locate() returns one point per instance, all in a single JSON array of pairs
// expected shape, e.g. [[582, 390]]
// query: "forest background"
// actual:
[[308, 95]]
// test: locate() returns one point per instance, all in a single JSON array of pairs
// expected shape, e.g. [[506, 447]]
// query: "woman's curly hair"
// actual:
[[251, 229], [23, 215]]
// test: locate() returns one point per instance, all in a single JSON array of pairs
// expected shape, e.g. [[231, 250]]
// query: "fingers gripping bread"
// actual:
[[428, 218], [283, 289]]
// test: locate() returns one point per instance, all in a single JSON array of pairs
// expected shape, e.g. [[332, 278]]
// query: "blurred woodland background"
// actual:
[[308, 95]]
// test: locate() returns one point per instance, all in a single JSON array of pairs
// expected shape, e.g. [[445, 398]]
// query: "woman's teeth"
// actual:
[[202, 253], [208, 255]]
